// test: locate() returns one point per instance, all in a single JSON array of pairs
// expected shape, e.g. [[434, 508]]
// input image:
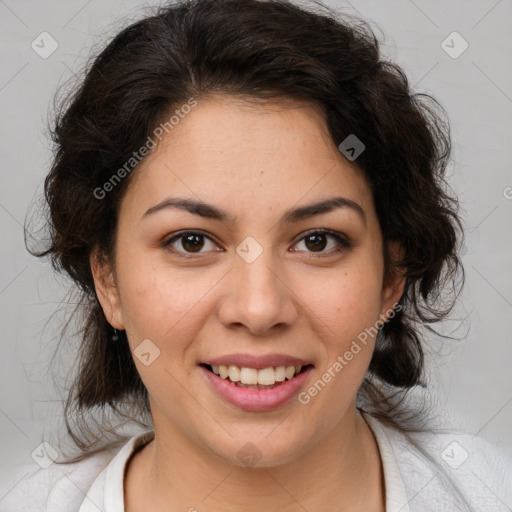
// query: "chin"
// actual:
[[262, 449]]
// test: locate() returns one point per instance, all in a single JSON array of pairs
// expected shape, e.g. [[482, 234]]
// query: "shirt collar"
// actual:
[[106, 494]]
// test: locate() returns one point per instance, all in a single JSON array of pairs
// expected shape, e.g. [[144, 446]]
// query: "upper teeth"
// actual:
[[266, 376]]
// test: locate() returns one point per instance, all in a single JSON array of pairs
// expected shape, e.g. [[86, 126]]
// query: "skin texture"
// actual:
[[255, 161]]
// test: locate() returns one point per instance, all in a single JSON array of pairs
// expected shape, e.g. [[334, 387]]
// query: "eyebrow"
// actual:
[[290, 216]]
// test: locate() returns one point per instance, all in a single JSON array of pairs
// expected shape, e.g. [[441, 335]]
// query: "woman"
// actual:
[[253, 205]]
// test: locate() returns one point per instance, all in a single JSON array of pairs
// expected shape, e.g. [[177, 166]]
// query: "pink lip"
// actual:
[[257, 362], [256, 399]]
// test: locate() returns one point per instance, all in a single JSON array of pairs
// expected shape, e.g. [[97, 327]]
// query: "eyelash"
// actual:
[[343, 243]]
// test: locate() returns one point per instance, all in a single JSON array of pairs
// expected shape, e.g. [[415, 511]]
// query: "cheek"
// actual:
[[168, 308], [345, 302], [344, 311], [160, 302]]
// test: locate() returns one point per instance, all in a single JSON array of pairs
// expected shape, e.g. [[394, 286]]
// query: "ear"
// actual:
[[394, 280], [106, 289]]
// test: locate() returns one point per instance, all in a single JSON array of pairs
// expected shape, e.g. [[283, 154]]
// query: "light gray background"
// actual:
[[473, 375]]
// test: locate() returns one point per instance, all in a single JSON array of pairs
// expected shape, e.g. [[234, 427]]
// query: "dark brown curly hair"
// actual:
[[264, 49]]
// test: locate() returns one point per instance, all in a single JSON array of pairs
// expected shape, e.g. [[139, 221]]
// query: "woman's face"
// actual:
[[256, 280]]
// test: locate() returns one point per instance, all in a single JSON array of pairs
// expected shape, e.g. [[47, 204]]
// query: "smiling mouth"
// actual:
[[251, 378]]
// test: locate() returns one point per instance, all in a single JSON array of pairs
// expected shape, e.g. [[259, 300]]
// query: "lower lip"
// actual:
[[257, 399]]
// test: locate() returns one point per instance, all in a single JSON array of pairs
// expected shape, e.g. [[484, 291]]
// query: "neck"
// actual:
[[340, 472]]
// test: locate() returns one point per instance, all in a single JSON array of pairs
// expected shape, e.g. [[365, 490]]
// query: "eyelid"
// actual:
[[325, 231]]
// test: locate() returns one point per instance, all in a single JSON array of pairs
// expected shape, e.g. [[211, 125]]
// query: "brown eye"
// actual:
[[192, 243], [189, 242], [318, 241]]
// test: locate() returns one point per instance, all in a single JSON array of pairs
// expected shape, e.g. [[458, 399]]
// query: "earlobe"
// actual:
[[106, 289]]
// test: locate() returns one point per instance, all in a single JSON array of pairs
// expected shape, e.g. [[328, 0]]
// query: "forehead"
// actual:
[[231, 151], [229, 125]]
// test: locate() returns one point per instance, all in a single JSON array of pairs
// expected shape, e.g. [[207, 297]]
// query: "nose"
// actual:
[[257, 296]]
